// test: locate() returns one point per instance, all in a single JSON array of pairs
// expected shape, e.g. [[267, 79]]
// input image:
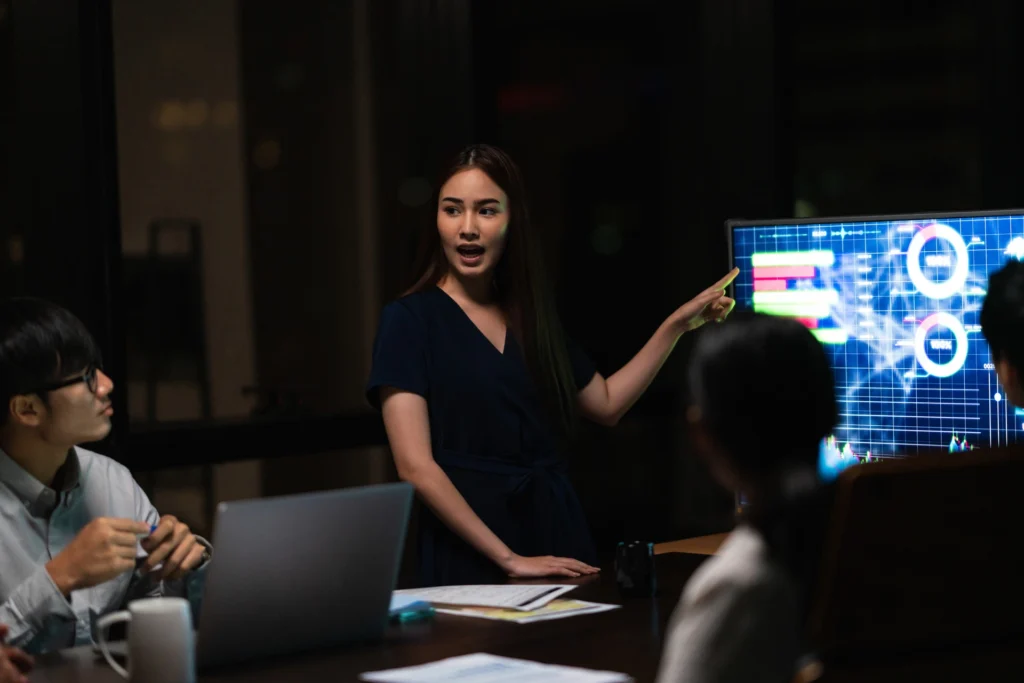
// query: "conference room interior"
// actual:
[[227, 193]]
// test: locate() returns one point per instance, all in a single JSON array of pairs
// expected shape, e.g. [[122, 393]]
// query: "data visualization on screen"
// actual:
[[896, 302]]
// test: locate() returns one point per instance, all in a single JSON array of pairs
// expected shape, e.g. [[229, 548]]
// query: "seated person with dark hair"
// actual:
[[76, 540], [1002, 323], [763, 398]]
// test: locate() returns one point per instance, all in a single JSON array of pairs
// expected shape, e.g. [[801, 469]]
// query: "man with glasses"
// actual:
[[79, 538]]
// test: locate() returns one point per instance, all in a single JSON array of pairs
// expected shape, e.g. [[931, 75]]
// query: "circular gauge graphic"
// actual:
[[953, 365], [956, 281]]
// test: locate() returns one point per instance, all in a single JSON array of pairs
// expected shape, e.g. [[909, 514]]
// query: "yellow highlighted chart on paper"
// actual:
[[556, 609]]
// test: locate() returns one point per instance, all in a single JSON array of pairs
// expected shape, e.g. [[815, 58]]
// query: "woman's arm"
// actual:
[[408, 427], [605, 401]]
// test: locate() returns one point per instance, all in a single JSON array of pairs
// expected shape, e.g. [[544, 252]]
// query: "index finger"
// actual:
[[581, 567], [124, 539], [725, 281], [163, 530], [129, 526], [589, 567], [564, 571]]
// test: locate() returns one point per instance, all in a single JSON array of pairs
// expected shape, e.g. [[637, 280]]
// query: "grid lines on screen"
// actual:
[[896, 303]]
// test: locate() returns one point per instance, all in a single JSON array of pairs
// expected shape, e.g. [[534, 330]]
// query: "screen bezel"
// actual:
[[733, 223]]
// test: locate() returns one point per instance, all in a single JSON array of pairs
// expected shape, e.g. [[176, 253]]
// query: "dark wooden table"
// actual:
[[627, 639]]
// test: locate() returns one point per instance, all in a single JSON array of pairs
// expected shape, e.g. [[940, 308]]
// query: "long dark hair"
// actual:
[[766, 392], [520, 281]]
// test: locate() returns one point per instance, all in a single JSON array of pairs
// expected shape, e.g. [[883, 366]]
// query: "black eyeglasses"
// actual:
[[89, 377]]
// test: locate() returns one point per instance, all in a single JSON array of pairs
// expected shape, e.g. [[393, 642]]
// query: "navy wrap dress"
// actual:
[[488, 433]]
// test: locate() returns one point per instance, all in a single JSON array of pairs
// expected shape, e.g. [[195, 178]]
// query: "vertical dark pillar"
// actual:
[[11, 241], [63, 201], [735, 160], [1002, 105], [423, 61]]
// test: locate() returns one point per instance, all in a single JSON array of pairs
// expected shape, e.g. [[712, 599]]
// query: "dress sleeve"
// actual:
[[399, 354]]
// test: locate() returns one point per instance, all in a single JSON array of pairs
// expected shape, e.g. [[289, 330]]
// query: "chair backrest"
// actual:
[[922, 553]]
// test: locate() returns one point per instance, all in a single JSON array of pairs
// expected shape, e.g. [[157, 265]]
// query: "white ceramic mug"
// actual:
[[161, 647]]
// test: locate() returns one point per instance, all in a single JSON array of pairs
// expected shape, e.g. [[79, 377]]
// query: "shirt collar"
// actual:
[[72, 471], [30, 489]]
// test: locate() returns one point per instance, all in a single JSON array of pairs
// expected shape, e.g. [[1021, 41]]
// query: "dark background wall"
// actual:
[[299, 143]]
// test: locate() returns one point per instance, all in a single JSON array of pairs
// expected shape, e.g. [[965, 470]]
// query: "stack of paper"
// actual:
[[505, 596], [556, 609], [484, 668]]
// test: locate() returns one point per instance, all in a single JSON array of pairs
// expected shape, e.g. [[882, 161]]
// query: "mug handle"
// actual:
[[102, 625]]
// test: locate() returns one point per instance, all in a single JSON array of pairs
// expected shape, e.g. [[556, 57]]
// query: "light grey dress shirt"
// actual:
[[738, 620], [37, 523]]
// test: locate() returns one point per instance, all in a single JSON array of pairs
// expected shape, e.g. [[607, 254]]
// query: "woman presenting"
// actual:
[[478, 387]]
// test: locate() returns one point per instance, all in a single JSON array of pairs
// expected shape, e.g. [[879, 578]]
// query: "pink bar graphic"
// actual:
[[810, 323], [769, 285], [782, 272]]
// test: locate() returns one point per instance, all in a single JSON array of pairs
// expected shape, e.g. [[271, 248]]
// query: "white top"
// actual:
[[738, 619], [38, 522]]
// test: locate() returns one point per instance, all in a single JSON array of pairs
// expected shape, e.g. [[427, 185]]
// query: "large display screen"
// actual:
[[896, 301]]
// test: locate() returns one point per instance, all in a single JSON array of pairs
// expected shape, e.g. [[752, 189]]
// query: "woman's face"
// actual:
[[472, 220]]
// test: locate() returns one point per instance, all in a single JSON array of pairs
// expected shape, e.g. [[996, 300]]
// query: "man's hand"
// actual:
[[101, 551], [14, 663], [174, 546]]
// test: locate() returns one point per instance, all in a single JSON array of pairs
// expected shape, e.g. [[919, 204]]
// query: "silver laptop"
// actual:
[[301, 572]]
